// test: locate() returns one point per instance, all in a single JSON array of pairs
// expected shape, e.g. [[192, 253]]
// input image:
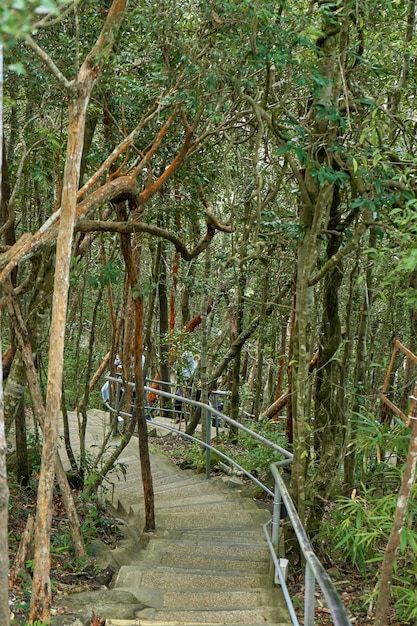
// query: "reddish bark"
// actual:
[[7, 360], [196, 321], [132, 270]]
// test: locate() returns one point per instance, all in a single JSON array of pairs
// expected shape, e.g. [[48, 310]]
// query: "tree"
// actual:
[[79, 93]]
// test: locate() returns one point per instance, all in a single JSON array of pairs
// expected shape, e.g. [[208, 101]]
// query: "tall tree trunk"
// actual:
[[79, 94], [150, 313], [25, 349], [316, 202], [82, 407], [38, 311], [132, 262], [307, 254], [163, 323], [327, 416], [235, 397], [204, 344], [410, 366], [361, 366], [41, 591], [22, 461], [260, 381], [344, 396], [281, 361], [4, 490]]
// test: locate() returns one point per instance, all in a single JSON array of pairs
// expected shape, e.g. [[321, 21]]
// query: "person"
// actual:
[[105, 390]]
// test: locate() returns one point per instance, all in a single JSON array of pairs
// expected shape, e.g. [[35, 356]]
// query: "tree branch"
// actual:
[[46, 59], [213, 225]]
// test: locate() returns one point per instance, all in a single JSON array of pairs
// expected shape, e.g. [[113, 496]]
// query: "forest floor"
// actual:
[[69, 575]]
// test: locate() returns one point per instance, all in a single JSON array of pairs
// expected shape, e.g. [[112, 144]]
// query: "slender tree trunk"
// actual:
[[22, 461], [79, 94], [132, 262], [300, 378], [384, 592], [67, 440], [150, 314], [327, 426], [281, 362], [38, 311], [4, 492], [39, 414], [204, 341], [260, 384], [361, 366], [163, 317], [185, 299], [235, 397], [41, 591], [344, 397], [82, 410], [410, 366]]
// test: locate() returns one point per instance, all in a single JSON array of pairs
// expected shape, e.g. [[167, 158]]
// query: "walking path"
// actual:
[[207, 562]]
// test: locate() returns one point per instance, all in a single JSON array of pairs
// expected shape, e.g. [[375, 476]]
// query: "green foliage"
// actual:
[[356, 529], [376, 444], [190, 456], [17, 16], [106, 275], [247, 452]]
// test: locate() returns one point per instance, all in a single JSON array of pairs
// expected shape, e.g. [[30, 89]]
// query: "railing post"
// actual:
[[208, 441], [309, 596], [276, 516]]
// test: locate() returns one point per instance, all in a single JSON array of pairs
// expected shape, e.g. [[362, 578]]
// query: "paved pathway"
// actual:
[[207, 563]]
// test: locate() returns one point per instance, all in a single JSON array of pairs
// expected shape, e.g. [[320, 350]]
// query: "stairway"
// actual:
[[206, 563]]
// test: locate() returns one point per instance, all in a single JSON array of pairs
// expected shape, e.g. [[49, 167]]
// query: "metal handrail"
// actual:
[[314, 570]]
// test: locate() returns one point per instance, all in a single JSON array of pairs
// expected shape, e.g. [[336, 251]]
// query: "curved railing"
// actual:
[[315, 574]]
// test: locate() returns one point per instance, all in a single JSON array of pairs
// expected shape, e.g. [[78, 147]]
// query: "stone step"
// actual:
[[220, 600], [210, 562], [183, 500], [251, 536], [135, 578], [168, 485], [217, 548], [221, 520], [147, 622], [157, 598], [209, 508], [230, 616], [199, 559]]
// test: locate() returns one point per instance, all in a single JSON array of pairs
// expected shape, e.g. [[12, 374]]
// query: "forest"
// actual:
[[230, 178]]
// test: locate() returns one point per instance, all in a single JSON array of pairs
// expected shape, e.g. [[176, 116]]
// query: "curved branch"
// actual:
[[46, 59], [48, 232], [151, 189], [213, 225]]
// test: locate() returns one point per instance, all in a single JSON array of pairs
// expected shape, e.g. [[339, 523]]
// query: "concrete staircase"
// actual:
[[206, 563]]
